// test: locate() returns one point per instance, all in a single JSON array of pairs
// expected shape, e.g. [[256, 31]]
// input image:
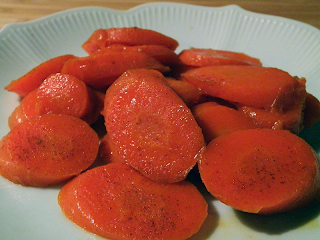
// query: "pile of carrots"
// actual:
[[216, 112]]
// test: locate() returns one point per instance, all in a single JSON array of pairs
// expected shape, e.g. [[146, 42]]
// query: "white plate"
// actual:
[[30, 213]]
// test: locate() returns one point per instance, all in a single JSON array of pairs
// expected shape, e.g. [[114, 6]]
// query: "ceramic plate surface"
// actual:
[[30, 213]]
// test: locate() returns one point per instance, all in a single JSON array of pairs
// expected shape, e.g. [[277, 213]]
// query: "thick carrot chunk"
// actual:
[[216, 120], [150, 127], [47, 150], [117, 202], [199, 57], [248, 85], [32, 80], [189, 93], [101, 70], [131, 36], [261, 171]]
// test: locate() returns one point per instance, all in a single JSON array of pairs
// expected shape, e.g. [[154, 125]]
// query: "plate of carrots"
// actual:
[[141, 124]]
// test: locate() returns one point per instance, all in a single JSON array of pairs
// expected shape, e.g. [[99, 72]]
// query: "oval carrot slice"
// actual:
[[261, 170], [105, 152], [189, 93], [291, 120], [64, 94], [32, 80], [117, 202], [47, 150], [101, 70], [161, 53], [216, 120], [150, 127], [131, 36], [201, 57], [248, 85], [25, 110]]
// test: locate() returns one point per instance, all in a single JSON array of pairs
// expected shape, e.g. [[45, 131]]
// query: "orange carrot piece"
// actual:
[[131, 36], [47, 150], [32, 80], [311, 112], [162, 54], [248, 85], [199, 57], [190, 94], [25, 110], [65, 94], [150, 127], [59, 94], [216, 120], [291, 120], [105, 150], [101, 70], [117, 202], [261, 170]]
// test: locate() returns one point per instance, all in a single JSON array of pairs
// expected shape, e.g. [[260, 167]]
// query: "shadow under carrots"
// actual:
[[212, 220], [282, 222], [312, 136]]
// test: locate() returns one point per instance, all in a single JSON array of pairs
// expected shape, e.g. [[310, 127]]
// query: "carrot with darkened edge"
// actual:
[[150, 127], [161, 53], [130, 36], [117, 202], [311, 111], [216, 120], [249, 85], [32, 79], [102, 69], [189, 93], [201, 57], [261, 171], [47, 150]]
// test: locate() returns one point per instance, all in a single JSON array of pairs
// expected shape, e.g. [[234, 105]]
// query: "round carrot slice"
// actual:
[[127, 36], [117, 202], [47, 150], [261, 170]]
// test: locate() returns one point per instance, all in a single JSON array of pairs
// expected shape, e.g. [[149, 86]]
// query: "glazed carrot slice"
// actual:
[[150, 127], [47, 150], [101, 70], [25, 110], [65, 94], [117, 202], [32, 80], [105, 150], [248, 85], [189, 93], [291, 120], [216, 120], [161, 53], [59, 94], [261, 170], [201, 57], [131, 36]]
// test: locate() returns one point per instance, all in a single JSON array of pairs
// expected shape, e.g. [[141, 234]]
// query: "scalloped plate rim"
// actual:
[[11, 27]]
